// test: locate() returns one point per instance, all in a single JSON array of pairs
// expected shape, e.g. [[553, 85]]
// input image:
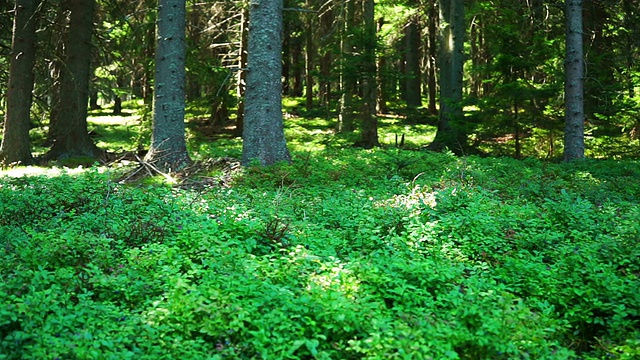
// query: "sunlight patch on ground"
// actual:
[[334, 275], [113, 120], [412, 201], [41, 171]]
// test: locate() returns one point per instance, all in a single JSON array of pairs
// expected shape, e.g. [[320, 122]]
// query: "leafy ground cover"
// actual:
[[344, 254]]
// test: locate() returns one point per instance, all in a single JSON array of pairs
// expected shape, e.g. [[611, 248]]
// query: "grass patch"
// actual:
[[344, 253]]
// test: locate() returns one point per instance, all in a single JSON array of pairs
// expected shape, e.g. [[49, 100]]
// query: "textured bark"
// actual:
[[263, 136], [68, 128], [574, 83], [15, 141], [242, 74], [369, 129], [168, 146], [149, 51], [451, 134]]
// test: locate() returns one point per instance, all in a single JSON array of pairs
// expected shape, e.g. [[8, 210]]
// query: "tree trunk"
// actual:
[[298, 66], [383, 94], [286, 57], [347, 79], [574, 83], [15, 147], [242, 73], [451, 132], [432, 27], [193, 36], [309, 65], [263, 137], [324, 92], [168, 150], [369, 118], [413, 94], [149, 51], [69, 127]]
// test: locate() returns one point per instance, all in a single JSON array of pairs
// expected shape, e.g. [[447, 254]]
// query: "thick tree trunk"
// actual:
[[263, 137], [15, 147], [574, 83], [369, 118], [69, 127], [168, 149], [451, 132]]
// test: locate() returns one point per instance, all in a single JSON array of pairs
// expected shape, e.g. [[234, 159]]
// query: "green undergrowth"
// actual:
[[343, 254]]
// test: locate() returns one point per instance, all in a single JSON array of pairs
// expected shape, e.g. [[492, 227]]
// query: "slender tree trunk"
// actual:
[[324, 92], [574, 83], [432, 28], [451, 132], [242, 73], [347, 70], [69, 129], [383, 93], [630, 48], [369, 118], [286, 58], [298, 66], [263, 137], [326, 21], [476, 79], [168, 150], [309, 65], [15, 147], [149, 51], [193, 37]]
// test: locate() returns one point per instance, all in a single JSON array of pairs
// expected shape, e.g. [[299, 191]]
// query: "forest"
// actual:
[[320, 179]]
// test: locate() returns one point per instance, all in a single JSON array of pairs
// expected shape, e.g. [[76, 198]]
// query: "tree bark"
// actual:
[[369, 118], [451, 132], [15, 147], [574, 83], [432, 28], [347, 80], [263, 137], [309, 64], [413, 95], [68, 126], [242, 74], [383, 89], [168, 149]]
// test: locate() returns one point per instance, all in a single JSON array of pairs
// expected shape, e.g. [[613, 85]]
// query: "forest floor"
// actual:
[[345, 253]]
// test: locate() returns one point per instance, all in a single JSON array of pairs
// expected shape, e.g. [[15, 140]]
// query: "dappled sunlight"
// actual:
[[414, 200], [128, 118], [21, 171], [333, 275]]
